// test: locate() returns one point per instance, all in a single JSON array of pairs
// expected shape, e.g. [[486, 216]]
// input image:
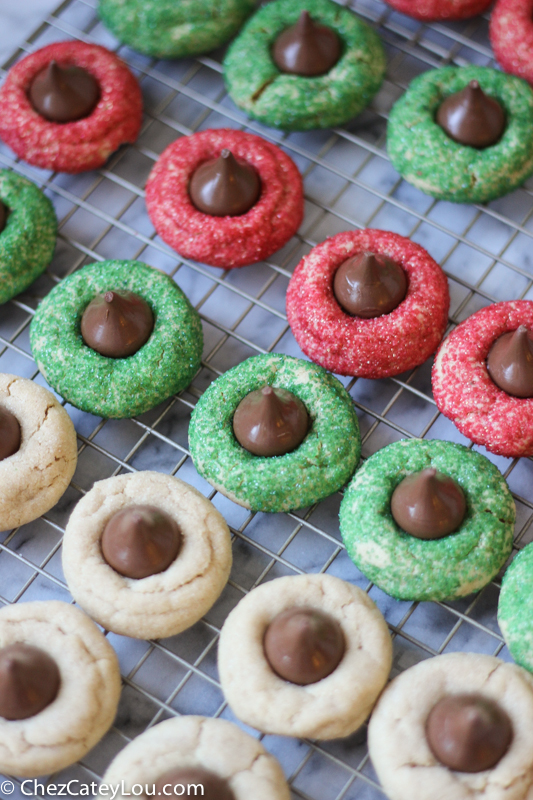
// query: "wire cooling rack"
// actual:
[[349, 183]]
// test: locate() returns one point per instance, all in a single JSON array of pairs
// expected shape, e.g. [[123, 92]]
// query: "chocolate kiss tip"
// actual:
[[266, 390], [109, 297]]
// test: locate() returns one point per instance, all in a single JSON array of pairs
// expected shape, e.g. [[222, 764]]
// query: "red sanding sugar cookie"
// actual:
[[440, 9], [225, 241], [71, 146], [368, 348], [466, 394], [511, 36]]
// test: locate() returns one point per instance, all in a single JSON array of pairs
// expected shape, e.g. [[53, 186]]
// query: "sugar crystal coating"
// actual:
[[465, 392], [225, 241], [294, 102], [370, 348], [28, 240], [413, 569], [430, 160], [73, 146], [318, 467], [117, 387]]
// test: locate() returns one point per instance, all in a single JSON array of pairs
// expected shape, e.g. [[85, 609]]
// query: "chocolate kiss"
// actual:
[[29, 681], [306, 49], [471, 117], [428, 504], [140, 541], [214, 787], [64, 94], [225, 186], [9, 434], [117, 324], [304, 645], [468, 732], [510, 363], [3, 216], [270, 422], [369, 285]]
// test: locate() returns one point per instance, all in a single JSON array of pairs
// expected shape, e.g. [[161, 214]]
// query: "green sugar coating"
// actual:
[[174, 28], [413, 569], [426, 157], [294, 102], [27, 242], [117, 387], [515, 608], [324, 461]]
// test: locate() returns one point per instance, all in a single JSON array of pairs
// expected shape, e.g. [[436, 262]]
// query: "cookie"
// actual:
[[369, 348], [214, 745], [295, 102], [514, 608], [162, 604], [332, 707], [409, 568], [318, 467], [465, 392], [28, 240], [439, 166], [89, 688], [37, 474], [116, 387], [85, 143], [225, 241], [433, 10], [402, 757], [511, 36], [174, 28]]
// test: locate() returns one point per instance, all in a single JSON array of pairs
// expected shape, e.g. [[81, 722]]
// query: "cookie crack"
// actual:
[[257, 94], [9, 385]]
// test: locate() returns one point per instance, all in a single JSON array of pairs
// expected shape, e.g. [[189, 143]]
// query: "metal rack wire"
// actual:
[[349, 183]]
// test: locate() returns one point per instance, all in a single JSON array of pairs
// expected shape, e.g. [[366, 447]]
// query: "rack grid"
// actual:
[[349, 183]]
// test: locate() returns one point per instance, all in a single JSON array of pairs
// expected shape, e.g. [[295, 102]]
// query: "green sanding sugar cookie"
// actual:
[[294, 102], [322, 463], [174, 28], [515, 608], [414, 569], [117, 387], [426, 156], [28, 240]]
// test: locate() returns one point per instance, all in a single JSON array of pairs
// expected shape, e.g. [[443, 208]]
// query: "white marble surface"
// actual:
[[18, 20]]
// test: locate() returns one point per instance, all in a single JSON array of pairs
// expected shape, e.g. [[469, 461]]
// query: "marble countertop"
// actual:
[[17, 21]]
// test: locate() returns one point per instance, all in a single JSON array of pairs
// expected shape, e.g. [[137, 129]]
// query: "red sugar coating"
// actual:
[[368, 348], [225, 241], [511, 36], [440, 9], [71, 146], [466, 394]]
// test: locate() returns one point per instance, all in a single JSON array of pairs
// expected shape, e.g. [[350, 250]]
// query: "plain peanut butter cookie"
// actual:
[[72, 681], [327, 708], [163, 603], [400, 748], [213, 753], [38, 451]]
